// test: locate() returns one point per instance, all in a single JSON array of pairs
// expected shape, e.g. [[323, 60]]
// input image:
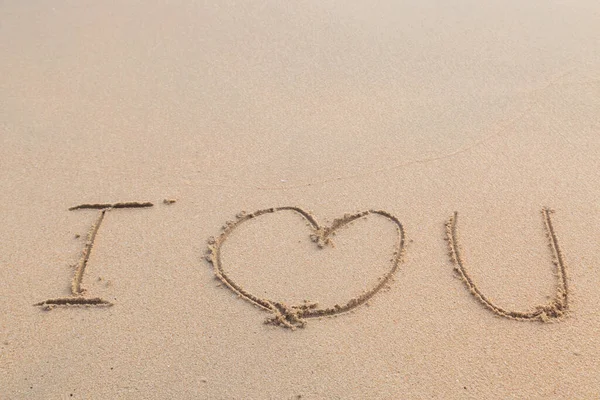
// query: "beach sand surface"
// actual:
[[416, 109]]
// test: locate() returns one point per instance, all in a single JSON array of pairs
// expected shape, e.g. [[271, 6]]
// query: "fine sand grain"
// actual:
[[131, 133]]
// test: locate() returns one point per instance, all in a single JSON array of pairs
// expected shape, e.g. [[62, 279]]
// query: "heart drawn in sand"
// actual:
[[293, 316]]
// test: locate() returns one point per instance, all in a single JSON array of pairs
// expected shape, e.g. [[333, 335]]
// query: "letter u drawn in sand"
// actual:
[[293, 316], [552, 311]]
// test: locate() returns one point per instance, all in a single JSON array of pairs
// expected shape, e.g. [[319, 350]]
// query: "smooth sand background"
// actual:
[[486, 108]]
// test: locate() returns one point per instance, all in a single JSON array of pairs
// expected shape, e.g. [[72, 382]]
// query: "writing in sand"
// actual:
[[295, 315]]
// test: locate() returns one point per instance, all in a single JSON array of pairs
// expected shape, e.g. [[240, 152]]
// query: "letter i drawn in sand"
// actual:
[[552, 311], [77, 297]]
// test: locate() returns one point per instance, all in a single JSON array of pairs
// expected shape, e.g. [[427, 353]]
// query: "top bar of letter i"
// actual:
[[77, 296]]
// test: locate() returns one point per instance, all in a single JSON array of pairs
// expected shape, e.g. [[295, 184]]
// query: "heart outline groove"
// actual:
[[294, 316]]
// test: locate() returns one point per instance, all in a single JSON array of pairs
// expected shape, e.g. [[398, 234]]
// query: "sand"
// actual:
[[406, 193]]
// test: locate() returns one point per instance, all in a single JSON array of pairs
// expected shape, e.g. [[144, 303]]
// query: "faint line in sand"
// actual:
[[501, 127]]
